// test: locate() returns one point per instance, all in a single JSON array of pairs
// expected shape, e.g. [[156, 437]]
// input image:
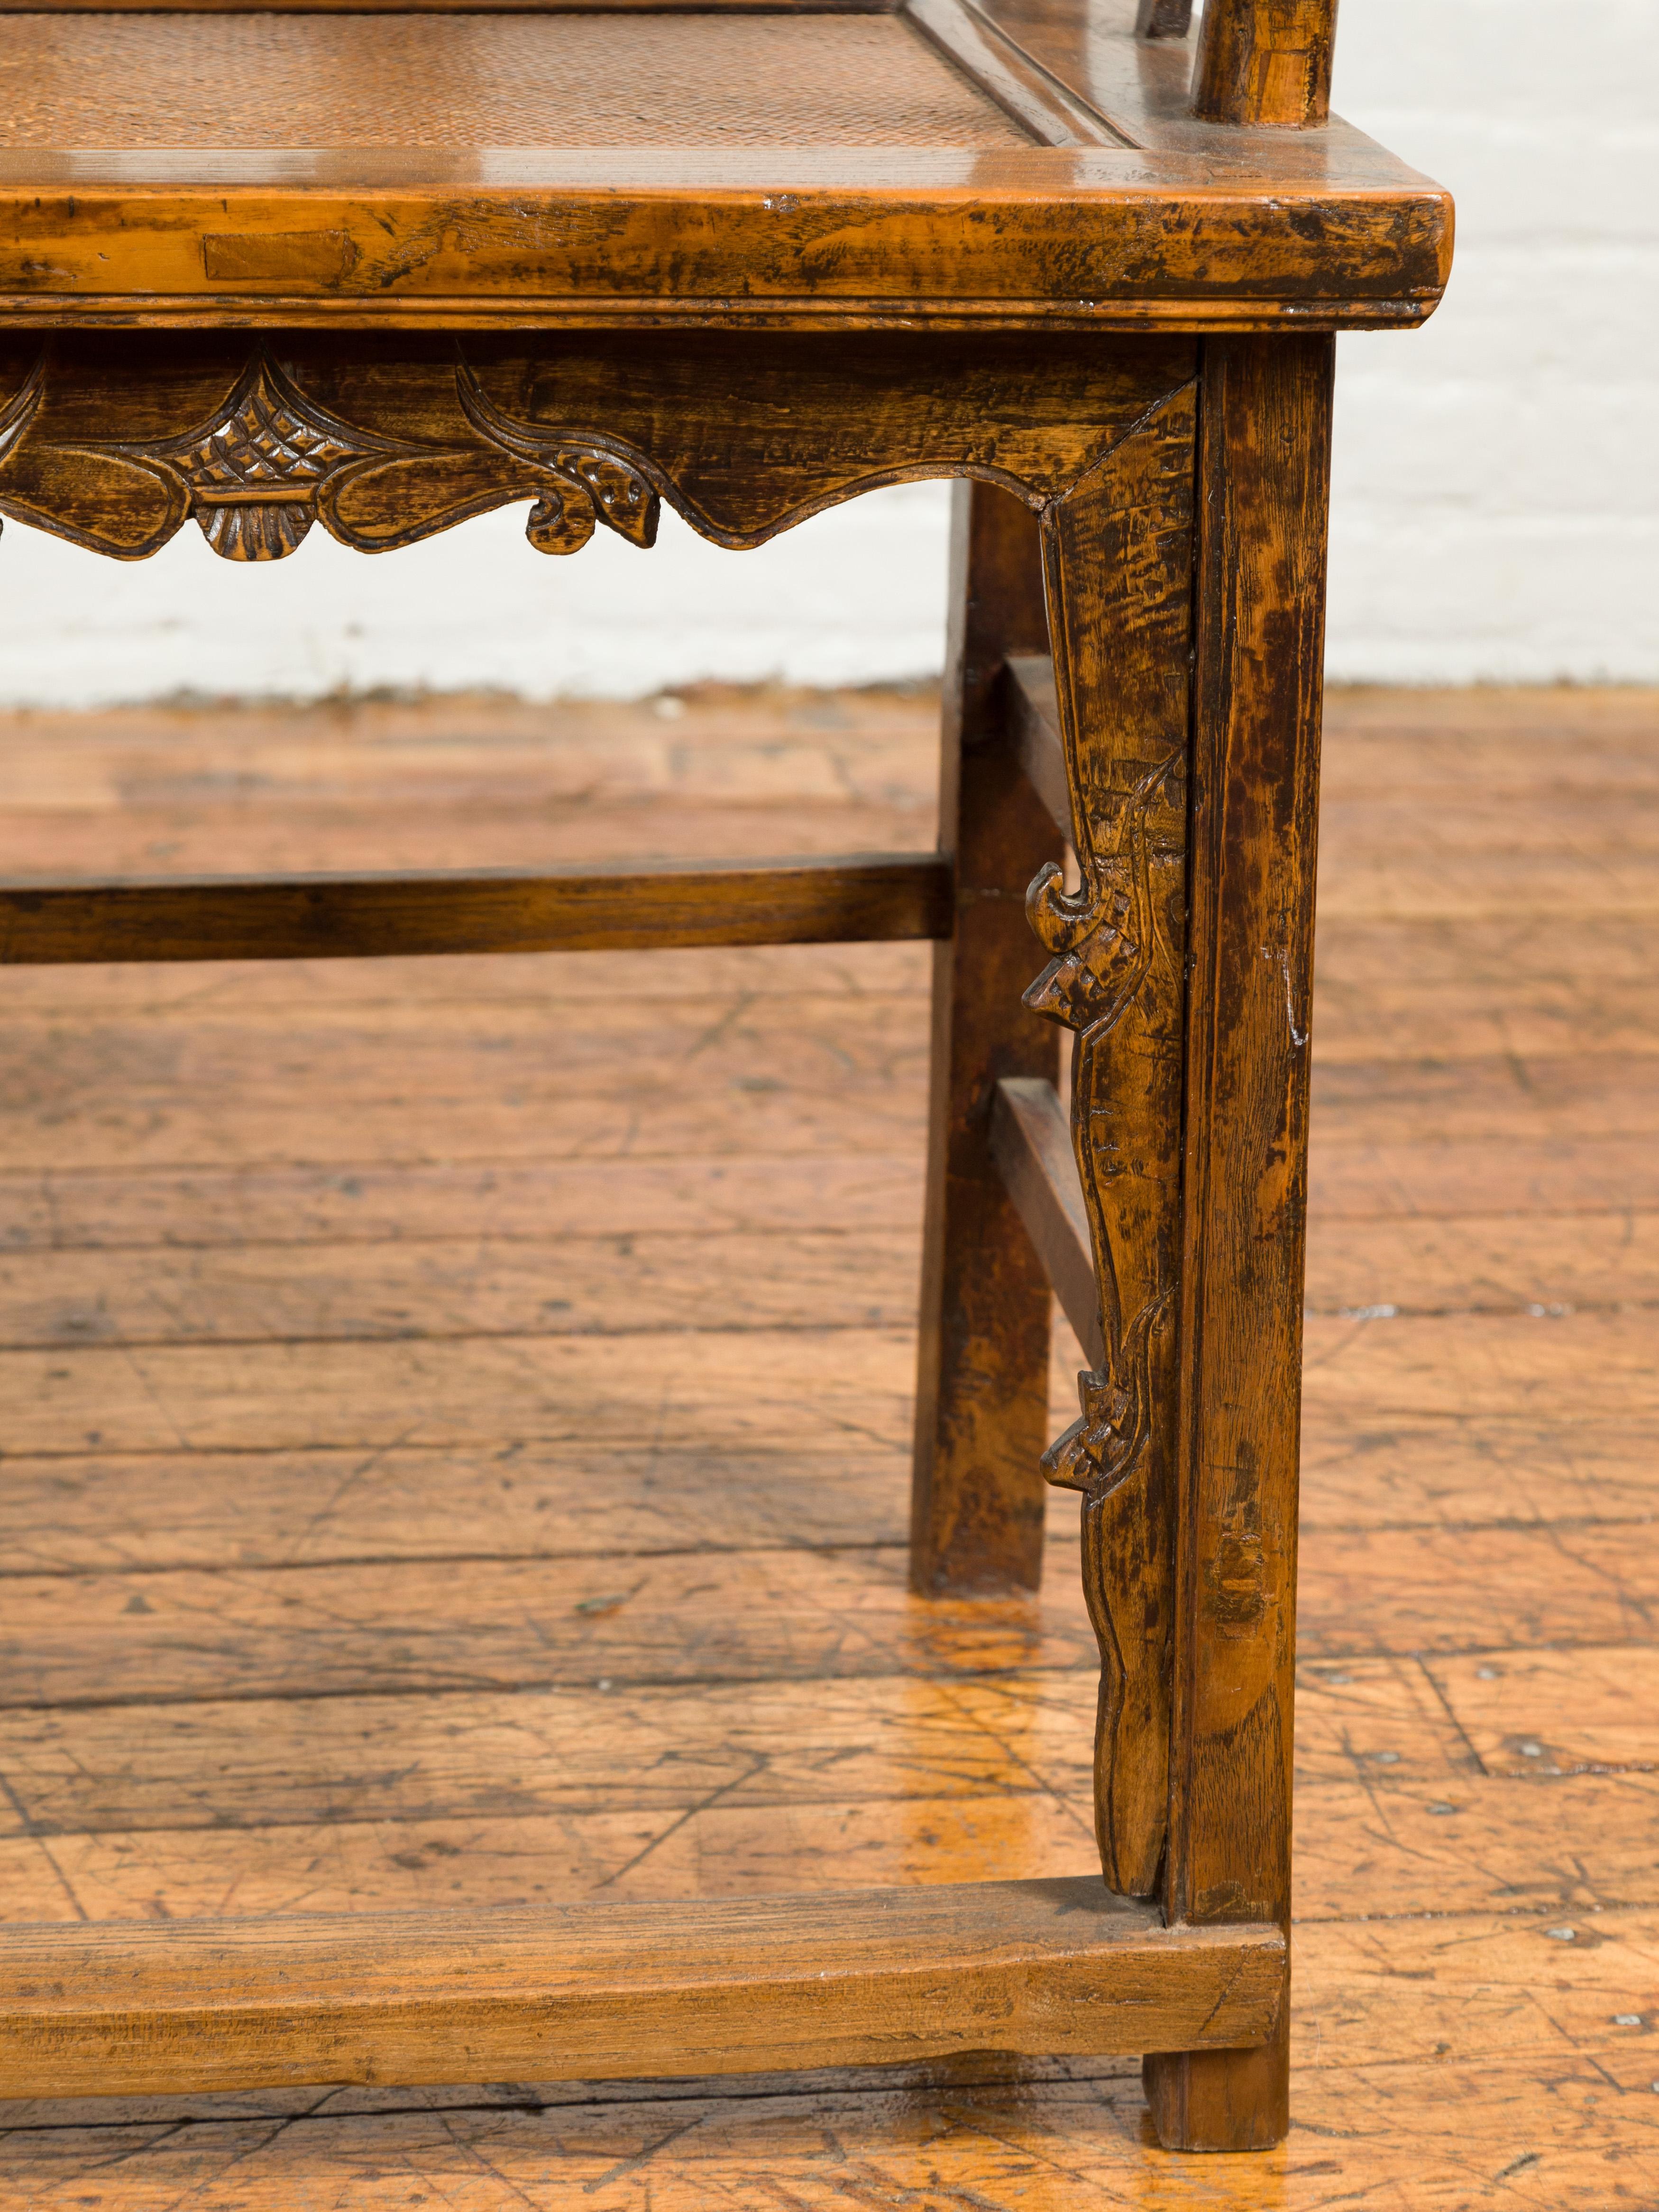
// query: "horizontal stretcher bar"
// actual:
[[1032, 705], [1031, 1144], [590, 1992], [605, 906]]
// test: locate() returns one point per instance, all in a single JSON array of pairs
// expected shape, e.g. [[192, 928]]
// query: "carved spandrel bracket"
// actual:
[[1106, 1444], [1114, 979], [1117, 560], [1105, 939]]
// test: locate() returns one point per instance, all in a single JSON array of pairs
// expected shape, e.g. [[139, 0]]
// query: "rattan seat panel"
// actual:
[[137, 81]]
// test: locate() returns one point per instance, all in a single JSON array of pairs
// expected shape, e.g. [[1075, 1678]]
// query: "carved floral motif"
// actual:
[[1103, 1446], [254, 471], [1113, 977], [593, 482], [1103, 938], [270, 461]]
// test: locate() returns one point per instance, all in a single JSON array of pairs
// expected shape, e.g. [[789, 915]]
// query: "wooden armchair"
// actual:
[[269, 271]]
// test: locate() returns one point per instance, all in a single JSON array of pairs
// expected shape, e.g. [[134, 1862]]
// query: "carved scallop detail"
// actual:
[[253, 472], [1103, 938], [269, 532], [270, 461]]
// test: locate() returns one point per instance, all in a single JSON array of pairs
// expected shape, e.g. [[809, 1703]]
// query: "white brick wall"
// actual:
[[856, 596], [1497, 489], [1496, 496]]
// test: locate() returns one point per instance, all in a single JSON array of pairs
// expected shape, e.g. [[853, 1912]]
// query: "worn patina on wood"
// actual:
[[982, 1417], [1027, 245], [385, 441], [1118, 552], [596, 1990]]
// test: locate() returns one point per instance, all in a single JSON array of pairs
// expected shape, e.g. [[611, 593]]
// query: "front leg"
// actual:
[[1263, 468], [1117, 557]]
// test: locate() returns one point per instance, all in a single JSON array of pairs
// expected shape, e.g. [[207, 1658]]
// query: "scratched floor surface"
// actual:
[[456, 1417]]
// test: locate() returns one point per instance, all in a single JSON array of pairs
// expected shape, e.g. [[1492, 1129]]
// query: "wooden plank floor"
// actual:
[[456, 1427]]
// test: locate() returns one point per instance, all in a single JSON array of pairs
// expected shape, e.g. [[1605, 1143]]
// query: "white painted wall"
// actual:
[[1497, 487], [854, 596], [1495, 509]]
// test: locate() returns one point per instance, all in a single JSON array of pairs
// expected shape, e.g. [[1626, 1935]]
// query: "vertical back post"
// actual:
[[1264, 446], [982, 1383], [1264, 61], [1163, 19]]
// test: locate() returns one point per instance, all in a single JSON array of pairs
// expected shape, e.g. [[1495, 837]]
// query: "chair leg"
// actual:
[[1262, 473], [1221, 2099], [983, 1381]]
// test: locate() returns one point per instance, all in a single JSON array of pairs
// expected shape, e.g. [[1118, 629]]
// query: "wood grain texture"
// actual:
[[115, 445], [1264, 61], [982, 1359], [220, 1205], [1118, 558], [1425, 1885], [1383, 1470], [341, 1784], [720, 1848], [86, 1511], [1263, 464], [460, 1287], [599, 908], [1539, 1715], [467, 779], [232, 167], [378, 1803], [1031, 1138], [1145, 86], [978, 2132], [450, 1624], [591, 1990], [568, 1615], [812, 242]]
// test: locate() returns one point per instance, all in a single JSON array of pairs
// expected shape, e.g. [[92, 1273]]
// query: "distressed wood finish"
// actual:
[[594, 1991], [807, 240], [982, 1357], [1477, 1553], [604, 907], [1118, 556], [1022, 258], [1109, 217], [1264, 61], [1263, 470], [114, 444], [1143, 86]]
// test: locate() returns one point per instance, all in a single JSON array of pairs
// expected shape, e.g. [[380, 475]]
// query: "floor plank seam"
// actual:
[[617, 1683]]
